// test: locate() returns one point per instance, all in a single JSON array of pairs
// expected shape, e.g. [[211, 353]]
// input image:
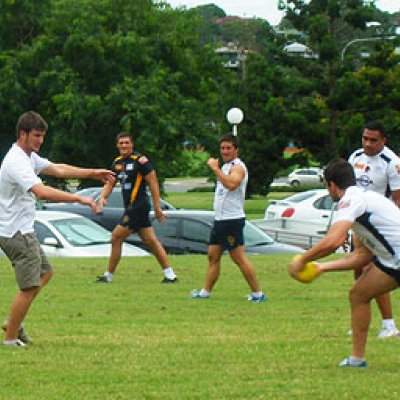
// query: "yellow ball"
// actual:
[[308, 273]]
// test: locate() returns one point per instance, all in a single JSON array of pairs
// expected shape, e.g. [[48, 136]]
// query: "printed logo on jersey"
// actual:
[[119, 167], [143, 160], [397, 168], [343, 204], [364, 181], [125, 219], [359, 166]]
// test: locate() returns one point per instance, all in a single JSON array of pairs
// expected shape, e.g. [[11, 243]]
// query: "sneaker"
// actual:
[[16, 343], [387, 333], [22, 335], [195, 294], [346, 363], [256, 299], [167, 280], [102, 279]]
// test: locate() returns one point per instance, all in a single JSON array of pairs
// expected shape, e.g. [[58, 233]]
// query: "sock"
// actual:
[[204, 293], [388, 323], [257, 294], [108, 275], [10, 342], [356, 360], [169, 273]]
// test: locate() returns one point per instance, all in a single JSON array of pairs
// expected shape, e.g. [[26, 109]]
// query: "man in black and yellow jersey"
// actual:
[[135, 172]]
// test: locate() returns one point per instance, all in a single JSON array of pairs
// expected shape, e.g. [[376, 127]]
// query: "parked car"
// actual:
[[306, 176], [188, 231], [111, 214], [314, 206], [63, 234]]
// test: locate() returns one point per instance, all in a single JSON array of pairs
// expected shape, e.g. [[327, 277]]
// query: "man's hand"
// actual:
[[101, 203], [87, 201], [160, 216], [213, 163], [104, 175]]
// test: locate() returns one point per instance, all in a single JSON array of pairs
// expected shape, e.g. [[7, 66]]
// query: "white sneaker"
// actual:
[[387, 333], [17, 343]]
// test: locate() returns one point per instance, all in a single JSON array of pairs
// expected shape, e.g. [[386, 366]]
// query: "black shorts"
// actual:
[[228, 234], [394, 273], [136, 217]]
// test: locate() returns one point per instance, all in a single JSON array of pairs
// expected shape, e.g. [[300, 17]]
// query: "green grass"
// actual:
[[138, 339], [254, 207]]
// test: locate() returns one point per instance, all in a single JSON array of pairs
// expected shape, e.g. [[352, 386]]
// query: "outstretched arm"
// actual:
[[70, 171]]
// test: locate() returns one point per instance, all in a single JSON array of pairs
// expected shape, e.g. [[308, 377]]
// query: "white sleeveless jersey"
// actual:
[[375, 222], [380, 173], [229, 204]]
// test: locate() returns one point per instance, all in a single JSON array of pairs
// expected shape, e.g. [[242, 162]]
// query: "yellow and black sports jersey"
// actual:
[[130, 172]]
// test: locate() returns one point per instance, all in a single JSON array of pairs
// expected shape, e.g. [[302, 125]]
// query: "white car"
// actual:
[[306, 176], [315, 206], [63, 234]]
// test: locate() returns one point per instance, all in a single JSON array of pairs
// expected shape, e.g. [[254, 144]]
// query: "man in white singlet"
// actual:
[[377, 168], [227, 232]]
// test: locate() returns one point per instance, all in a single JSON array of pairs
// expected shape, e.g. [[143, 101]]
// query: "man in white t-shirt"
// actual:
[[374, 221], [19, 188], [377, 168], [227, 232]]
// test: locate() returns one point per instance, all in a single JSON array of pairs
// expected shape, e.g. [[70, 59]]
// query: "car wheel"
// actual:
[[295, 183]]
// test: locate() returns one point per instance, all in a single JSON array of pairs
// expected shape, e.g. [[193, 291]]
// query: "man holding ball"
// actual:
[[374, 220]]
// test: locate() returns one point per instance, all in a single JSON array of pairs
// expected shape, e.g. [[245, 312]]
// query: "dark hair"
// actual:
[[340, 172], [30, 121], [228, 137], [376, 126], [124, 134]]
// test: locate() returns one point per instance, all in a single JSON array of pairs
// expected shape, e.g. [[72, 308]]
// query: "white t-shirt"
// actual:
[[229, 204], [380, 173], [375, 221], [18, 173]]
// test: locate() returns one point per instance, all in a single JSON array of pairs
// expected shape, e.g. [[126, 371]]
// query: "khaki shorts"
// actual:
[[27, 258]]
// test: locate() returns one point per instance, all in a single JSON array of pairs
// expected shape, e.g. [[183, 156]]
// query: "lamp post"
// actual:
[[234, 117], [370, 39]]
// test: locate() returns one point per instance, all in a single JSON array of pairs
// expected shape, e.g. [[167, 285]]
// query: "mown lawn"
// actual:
[[138, 339]]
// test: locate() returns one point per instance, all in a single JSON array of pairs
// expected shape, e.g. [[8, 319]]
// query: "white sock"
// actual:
[[388, 323], [169, 273], [204, 293], [108, 275], [10, 342], [356, 360], [257, 294]]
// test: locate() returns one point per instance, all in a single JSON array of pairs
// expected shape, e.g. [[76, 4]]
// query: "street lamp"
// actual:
[[370, 39], [234, 117]]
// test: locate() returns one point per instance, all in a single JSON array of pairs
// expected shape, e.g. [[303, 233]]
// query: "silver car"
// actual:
[[63, 234]]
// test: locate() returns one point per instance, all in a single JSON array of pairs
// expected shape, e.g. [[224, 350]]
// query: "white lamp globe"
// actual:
[[234, 116]]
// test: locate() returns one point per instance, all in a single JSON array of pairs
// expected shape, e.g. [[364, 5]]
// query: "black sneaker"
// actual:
[[102, 279], [167, 280]]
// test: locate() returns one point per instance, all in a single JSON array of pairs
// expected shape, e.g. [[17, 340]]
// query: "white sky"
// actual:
[[266, 9]]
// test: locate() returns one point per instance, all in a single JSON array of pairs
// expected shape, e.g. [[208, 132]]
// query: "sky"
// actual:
[[266, 9]]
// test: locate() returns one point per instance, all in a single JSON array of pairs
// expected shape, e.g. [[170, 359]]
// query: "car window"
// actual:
[[165, 229], [324, 203], [299, 197], [81, 232], [42, 232], [195, 230], [254, 236], [115, 200]]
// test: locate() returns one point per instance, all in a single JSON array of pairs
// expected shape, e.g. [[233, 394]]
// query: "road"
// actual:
[[183, 185]]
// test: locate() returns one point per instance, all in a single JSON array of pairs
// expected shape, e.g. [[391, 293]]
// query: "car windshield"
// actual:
[[254, 236], [81, 232]]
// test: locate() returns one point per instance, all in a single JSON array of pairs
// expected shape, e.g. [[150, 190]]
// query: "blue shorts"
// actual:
[[228, 234]]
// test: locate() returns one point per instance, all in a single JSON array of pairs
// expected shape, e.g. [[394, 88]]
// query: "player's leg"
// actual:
[[214, 266], [239, 258]]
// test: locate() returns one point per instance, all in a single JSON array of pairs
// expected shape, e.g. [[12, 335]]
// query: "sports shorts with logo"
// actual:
[[27, 258], [393, 272], [228, 233], [137, 217]]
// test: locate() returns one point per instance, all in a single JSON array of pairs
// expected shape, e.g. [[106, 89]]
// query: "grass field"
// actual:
[[138, 339]]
